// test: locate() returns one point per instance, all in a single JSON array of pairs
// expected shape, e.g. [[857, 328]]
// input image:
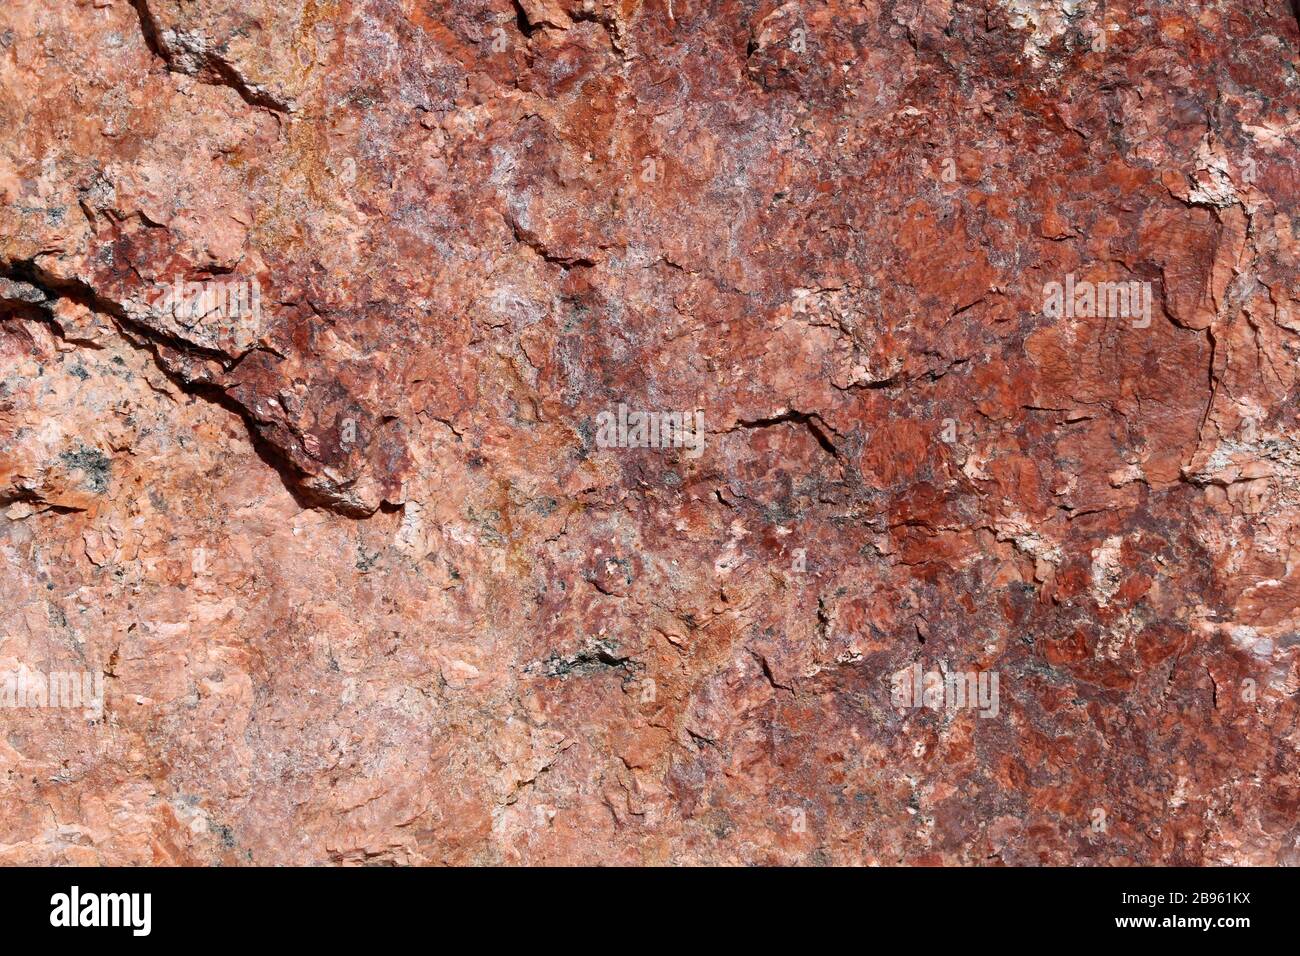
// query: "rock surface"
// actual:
[[363, 582]]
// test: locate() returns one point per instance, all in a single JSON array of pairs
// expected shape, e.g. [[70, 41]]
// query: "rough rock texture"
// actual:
[[364, 586]]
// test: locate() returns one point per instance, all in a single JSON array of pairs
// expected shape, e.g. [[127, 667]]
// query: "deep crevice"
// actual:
[[807, 419], [149, 339], [521, 20], [221, 72], [527, 238], [23, 496]]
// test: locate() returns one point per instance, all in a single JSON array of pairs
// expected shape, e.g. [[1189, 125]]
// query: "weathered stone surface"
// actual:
[[362, 582]]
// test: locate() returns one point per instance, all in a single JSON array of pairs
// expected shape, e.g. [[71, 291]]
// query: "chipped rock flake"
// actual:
[[363, 585]]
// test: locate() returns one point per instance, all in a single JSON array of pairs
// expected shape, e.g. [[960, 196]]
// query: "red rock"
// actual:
[[359, 579]]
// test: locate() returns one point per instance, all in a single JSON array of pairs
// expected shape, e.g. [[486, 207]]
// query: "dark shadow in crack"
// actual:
[[149, 339], [218, 72]]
